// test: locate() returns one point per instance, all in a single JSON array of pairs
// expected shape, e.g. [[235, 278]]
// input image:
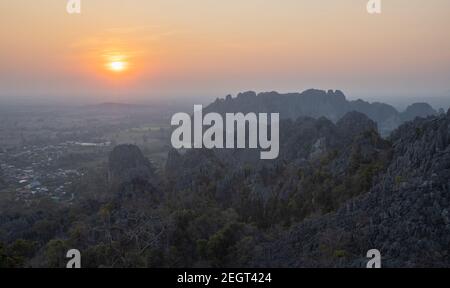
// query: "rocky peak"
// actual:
[[418, 110], [1, 178], [355, 123], [248, 94], [126, 164], [338, 94], [173, 162], [315, 103]]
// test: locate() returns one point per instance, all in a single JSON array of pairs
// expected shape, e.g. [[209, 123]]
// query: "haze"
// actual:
[[177, 49]]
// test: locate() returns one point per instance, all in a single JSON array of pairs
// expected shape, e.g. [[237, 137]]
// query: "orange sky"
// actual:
[[179, 48]]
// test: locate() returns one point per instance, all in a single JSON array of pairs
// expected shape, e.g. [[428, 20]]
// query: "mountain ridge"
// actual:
[[315, 103]]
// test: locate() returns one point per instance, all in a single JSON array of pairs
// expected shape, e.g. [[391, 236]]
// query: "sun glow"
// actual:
[[114, 64], [117, 66], [117, 62]]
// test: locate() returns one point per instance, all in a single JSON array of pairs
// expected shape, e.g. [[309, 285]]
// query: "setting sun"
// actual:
[[117, 66]]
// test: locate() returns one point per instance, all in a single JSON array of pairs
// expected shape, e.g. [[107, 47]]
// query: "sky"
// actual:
[[141, 50]]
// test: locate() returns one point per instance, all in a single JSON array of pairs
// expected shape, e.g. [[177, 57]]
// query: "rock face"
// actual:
[[305, 145], [405, 215], [317, 103], [347, 189], [129, 171], [2, 182], [418, 110], [354, 123]]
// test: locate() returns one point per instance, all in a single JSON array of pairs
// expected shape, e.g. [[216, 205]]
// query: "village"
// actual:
[[43, 171]]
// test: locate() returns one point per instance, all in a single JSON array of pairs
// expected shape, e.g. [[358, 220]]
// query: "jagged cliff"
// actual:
[[318, 103], [130, 174], [341, 188], [1, 179], [311, 149], [405, 214]]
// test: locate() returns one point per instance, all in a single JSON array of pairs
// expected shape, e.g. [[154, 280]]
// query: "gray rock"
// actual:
[[418, 110], [131, 174], [408, 225], [317, 103]]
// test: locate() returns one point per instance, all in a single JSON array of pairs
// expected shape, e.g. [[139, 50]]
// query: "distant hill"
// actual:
[[113, 105], [417, 110], [318, 103]]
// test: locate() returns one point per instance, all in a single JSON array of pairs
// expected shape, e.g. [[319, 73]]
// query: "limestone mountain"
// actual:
[[130, 173], [318, 103], [2, 182], [418, 110], [340, 188], [350, 148], [405, 214]]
